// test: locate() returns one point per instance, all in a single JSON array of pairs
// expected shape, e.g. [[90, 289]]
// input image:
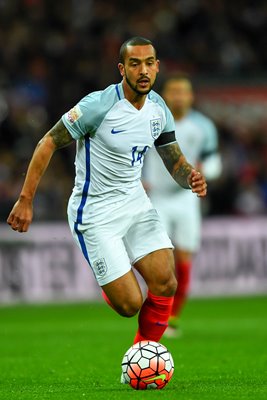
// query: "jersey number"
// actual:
[[138, 154]]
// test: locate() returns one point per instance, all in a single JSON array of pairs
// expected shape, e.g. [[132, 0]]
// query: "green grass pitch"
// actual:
[[74, 352]]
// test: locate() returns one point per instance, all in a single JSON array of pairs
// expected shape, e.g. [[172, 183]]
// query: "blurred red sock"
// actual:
[[153, 317], [183, 270]]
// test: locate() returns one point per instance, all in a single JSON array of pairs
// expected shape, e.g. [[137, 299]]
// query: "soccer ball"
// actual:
[[147, 365]]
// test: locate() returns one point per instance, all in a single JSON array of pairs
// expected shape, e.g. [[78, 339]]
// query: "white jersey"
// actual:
[[179, 208], [197, 137], [112, 139]]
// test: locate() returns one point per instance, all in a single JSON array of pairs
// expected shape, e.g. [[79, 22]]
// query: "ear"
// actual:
[[158, 62], [121, 68], [192, 98]]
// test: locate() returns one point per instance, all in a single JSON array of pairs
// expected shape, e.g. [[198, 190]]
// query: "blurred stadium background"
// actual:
[[55, 52]]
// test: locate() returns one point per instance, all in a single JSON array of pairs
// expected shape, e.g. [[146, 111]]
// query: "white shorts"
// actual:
[[119, 235], [181, 214]]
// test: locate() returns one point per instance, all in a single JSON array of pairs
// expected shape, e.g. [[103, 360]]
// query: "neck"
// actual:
[[136, 99], [179, 114]]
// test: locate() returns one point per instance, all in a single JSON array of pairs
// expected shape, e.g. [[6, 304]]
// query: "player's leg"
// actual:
[[107, 257], [150, 251], [186, 238], [157, 269], [124, 294], [183, 266]]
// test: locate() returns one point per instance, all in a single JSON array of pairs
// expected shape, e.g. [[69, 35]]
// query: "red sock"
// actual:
[[183, 270], [153, 317]]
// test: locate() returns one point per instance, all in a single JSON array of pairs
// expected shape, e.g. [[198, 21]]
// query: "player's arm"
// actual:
[[21, 215], [181, 171]]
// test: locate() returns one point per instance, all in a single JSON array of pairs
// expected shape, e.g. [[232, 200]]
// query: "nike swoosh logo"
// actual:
[[161, 323], [155, 378], [115, 131]]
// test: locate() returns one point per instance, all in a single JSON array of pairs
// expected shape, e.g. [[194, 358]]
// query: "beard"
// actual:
[[134, 87]]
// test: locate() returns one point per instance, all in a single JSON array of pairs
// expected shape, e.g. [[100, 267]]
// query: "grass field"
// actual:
[[74, 352]]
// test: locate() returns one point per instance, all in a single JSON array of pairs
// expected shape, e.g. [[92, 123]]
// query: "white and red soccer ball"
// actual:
[[147, 365]]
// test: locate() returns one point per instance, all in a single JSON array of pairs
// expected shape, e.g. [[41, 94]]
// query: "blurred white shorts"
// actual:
[[181, 215], [120, 234]]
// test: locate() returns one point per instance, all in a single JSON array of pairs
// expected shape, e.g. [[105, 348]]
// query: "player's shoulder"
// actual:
[[198, 115], [154, 97], [102, 97], [91, 110], [201, 119], [158, 101]]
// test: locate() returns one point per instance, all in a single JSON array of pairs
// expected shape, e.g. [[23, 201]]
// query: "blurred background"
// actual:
[[55, 52]]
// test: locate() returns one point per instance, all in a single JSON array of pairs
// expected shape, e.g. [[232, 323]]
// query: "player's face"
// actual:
[[178, 95], [140, 68]]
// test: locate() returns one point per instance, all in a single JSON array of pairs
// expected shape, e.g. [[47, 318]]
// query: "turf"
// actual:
[[74, 352]]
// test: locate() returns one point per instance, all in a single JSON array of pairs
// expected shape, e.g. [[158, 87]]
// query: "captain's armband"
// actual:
[[165, 138]]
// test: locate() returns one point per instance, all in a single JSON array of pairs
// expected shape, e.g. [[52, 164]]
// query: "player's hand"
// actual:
[[197, 183], [20, 216]]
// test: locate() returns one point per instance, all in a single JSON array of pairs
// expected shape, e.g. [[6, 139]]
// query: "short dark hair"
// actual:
[[134, 41], [178, 76]]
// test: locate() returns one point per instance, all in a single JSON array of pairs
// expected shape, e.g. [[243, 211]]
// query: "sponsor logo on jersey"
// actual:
[[115, 131], [100, 267], [74, 114], [155, 127]]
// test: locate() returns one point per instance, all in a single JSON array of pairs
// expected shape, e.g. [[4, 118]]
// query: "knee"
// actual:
[[165, 286], [129, 308], [167, 282], [170, 286]]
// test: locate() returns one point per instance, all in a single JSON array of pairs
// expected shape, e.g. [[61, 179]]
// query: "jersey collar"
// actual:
[[119, 90]]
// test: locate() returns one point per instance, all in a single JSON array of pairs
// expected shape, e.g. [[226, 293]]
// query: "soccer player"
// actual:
[[110, 216], [178, 208]]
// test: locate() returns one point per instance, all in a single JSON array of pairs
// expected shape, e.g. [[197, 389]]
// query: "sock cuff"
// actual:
[[160, 299]]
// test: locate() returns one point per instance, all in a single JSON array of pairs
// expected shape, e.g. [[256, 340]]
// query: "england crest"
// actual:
[[155, 127], [100, 267]]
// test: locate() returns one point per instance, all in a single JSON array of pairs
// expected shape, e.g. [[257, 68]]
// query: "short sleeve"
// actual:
[[170, 124], [82, 119]]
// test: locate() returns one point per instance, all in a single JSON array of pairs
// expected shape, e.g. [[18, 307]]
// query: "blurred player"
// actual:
[[110, 215], [178, 208]]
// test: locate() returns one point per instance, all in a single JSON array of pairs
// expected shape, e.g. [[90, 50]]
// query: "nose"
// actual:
[[143, 69]]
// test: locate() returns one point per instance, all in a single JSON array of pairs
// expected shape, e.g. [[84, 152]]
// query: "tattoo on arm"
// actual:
[[60, 135], [175, 163]]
